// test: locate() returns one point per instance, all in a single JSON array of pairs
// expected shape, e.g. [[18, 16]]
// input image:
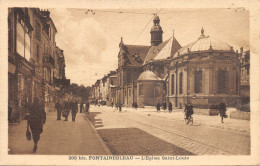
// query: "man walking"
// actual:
[[36, 120], [58, 108], [170, 107], [120, 107], [158, 107], [222, 111], [87, 107], [81, 107], [164, 105], [66, 110], [74, 110]]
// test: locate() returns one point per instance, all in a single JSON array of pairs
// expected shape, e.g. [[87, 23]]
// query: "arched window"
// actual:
[[180, 83], [141, 89], [198, 81], [222, 81], [129, 92]]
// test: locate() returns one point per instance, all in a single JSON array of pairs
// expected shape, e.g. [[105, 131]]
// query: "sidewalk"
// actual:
[[58, 137], [178, 115]]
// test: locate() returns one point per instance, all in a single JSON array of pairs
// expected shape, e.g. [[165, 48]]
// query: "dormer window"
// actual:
[[137, 57]]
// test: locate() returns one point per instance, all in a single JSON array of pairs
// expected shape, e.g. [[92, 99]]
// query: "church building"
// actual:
[[134, 61], [205, 72]]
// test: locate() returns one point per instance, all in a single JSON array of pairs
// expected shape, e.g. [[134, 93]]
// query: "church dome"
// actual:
[[148, 76], [205, 43]]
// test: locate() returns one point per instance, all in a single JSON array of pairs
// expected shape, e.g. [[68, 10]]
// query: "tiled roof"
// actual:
[[169, 49], [136, 53], [163, 50]]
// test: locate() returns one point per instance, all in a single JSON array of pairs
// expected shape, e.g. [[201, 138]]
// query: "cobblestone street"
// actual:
[[207, 136]]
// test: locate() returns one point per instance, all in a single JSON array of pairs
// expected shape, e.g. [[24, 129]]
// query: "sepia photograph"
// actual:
[[151, 84]]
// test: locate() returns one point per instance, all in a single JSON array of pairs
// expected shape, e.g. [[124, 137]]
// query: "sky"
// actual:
[[91, 42]]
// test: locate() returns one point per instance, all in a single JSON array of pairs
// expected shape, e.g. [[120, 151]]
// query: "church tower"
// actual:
[[156, 32]]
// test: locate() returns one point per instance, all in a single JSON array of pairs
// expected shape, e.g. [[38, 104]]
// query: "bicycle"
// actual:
[[188, 120]]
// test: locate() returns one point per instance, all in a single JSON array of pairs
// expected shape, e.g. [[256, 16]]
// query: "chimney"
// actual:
[[45, 13]]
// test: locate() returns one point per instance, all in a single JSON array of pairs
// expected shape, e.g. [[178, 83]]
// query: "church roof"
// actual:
[[148, 76], [169, 49], [204, 43], [164, 50], [136, 53]]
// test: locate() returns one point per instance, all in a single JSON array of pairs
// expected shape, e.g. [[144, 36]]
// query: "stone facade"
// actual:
[[207, 76], [149, 89], [245, 79], [20, 60]]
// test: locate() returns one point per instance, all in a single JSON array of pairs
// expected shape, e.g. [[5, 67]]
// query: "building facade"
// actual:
[[245, 79], [20, 60], [205, 72], [31, 58]]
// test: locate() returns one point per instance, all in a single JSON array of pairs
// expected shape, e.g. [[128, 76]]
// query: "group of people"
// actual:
[[189, 109], [164, 106], [65, 107]]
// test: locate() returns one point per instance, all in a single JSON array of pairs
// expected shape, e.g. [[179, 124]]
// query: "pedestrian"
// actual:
[[58, 108], [117, 105], [188, 110], [36, 120], [87, 107], [112, 104], [74, 110], [164, 105], [66, 110], [170, 107], [222, 111], [158, 107], [135, 105], [120, 107], [81, 107]]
